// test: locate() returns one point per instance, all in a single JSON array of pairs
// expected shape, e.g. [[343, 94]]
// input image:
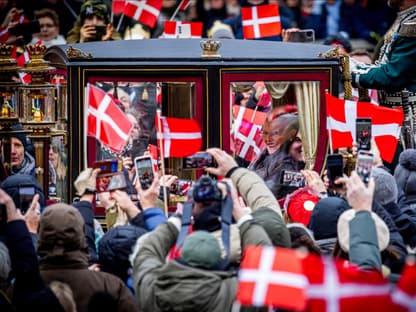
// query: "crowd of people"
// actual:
[[74, 21], [57, 257]]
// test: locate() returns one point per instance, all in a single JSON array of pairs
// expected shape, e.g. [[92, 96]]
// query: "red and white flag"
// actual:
[[144, 11], [117, 7], [251, 115], [341, 124], [261, 21], [106, 121], [248, 141], [404, 295], [180, 137], [177, 29], [336, 286], [271, 276], [21, 61]]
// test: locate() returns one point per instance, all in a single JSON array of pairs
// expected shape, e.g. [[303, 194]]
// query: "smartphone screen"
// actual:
[[111, 182], [26, 194], [198, 161], [334, 168], [292, 179], [363, 133], [144, 171], [364, 165]]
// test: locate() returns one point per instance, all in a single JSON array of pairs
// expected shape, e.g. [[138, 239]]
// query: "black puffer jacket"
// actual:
[[115, 248]]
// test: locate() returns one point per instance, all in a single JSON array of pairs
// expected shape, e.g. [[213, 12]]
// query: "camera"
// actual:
[[206, 190], [292, 179]]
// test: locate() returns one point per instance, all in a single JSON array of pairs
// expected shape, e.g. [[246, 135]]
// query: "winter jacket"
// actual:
[[364, 250], [64, 257], [171, 286], [266, 210], [87, 212], [29, 291], [270, 167]]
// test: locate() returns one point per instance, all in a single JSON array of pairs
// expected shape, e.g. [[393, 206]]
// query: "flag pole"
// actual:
[[162, 154], [176, 11], [119, 22], [329, 131]]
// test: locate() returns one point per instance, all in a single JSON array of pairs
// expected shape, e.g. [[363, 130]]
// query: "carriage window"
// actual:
[[139, 101], [251, 102]]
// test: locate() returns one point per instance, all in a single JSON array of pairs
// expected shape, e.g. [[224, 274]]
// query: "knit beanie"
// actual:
[[94, 8], [324, 219], [405, 172], [21, 136], [201, 250], [385, 186]]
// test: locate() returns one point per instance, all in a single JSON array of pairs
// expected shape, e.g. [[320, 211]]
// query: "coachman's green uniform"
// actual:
[[394, 74]]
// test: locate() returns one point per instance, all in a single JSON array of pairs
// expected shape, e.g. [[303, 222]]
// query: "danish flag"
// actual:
[[341, 118], [248, 141], [117, 7], [271, 276], [144, 11], [180, 137], [21, 61], [254, 116], [261, 21], [404, 295], [106, 121], [335, 286], [173, 29]]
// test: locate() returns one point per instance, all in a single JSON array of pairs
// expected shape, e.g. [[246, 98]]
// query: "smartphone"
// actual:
[[303, 35], [292, 179], [25, 29], [100, 31], [363, 133], [334, 168], [199, 160], [144, 170], [364, 165], [110, 182], [26, 194], [107, 166]]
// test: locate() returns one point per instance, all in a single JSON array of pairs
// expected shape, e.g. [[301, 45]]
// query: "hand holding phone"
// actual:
[[144, 170]]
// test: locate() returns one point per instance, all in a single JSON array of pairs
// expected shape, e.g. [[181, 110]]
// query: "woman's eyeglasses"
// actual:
[[269, 134]]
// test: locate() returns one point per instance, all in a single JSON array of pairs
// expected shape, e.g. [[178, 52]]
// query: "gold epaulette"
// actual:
[[408, 29]]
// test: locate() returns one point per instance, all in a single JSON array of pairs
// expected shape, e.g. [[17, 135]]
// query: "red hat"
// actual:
[[300, 204]]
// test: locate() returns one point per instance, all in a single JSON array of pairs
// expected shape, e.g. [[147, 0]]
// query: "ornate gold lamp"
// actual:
[[9, 85], [37, 109]]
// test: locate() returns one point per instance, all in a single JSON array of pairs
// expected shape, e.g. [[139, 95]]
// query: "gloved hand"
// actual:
[[86, 180]]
